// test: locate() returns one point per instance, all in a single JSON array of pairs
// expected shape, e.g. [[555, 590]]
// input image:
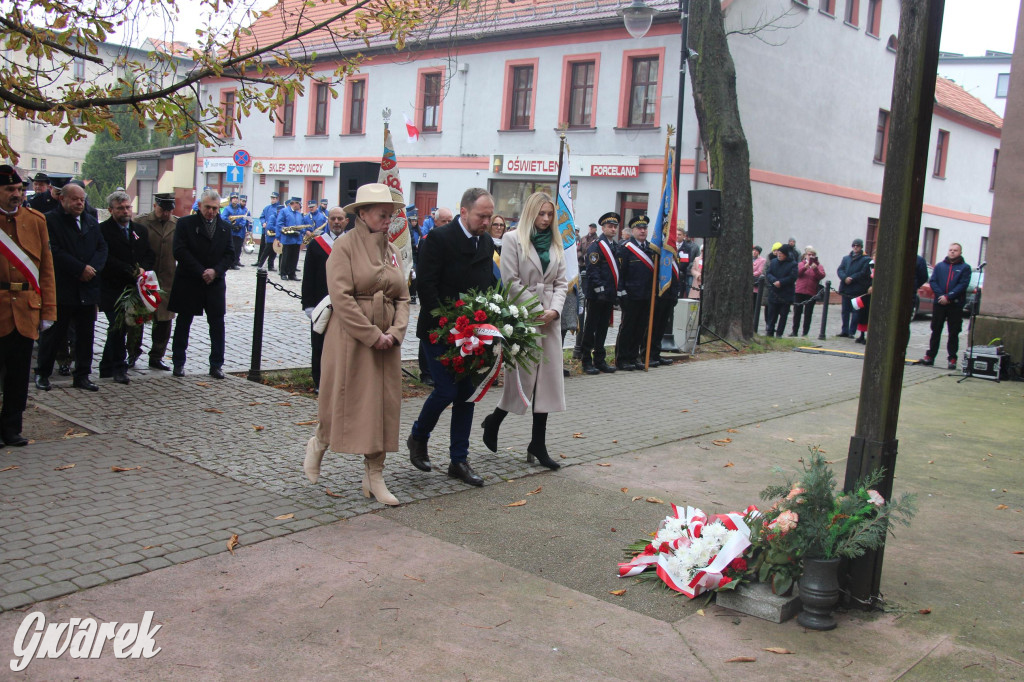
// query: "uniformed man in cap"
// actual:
[[269, 221], [234, 215], [43, 201], [292, 223], [160, 224], [28, 299], [603, 287], [638, 277]]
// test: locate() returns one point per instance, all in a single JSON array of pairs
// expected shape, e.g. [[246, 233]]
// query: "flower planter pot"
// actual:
[[819, 592]]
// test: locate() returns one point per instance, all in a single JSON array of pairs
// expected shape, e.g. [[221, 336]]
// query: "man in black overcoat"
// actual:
[[314, 280], [79, 255], [454, 259], [203, 249], [129, 256]]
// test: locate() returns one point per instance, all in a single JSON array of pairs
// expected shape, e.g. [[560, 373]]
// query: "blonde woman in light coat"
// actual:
[[532, 258]]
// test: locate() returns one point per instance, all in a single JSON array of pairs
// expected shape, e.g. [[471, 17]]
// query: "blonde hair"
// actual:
[[531, 209]]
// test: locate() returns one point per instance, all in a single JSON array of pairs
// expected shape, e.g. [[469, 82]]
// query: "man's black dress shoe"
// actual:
[[665, 362], [14, 440], [106, 374], [216, 373], [121, 378], [158, 364], [590, 369], [418, 454], [179, 371], [132, 359], [42, 383], [465, 473], [605, 367], [624, 367], [85, 384]]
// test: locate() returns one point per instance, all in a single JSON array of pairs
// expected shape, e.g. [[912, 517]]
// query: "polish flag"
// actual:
[[412, 131]]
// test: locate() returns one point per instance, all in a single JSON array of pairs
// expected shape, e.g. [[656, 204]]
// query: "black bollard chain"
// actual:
[[281, 288]]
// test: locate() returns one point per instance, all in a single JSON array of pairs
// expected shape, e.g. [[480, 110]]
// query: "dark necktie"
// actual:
[[476, 242], [78, 223], [126, 235]]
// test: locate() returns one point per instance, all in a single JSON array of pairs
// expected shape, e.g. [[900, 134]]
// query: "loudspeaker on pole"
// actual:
[[704, 213]]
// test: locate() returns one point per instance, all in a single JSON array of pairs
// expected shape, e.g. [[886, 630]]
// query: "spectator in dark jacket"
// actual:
[[949, 284], [854, 280], [781, 280], [809, 273]]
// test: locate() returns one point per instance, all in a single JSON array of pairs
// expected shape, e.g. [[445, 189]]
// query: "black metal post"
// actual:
[[257, 327], [824, 308]]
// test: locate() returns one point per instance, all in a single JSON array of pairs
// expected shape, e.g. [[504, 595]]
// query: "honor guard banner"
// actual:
[[398, 232], [566, 221], [663, 239]]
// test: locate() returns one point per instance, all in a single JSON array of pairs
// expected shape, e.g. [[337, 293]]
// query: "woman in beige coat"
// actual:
[[532, 258], [361, 374]]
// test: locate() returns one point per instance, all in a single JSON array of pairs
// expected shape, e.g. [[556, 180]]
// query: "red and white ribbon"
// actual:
[[149, 290], [20, 260]]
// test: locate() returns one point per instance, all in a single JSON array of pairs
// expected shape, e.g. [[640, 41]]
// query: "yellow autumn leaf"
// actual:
[[655, 500], [256, 402], [603, 464], [700, 612], [63, 467], [1001, 507], [202, 383], [578, 434], [776, 650], [330, 494], [732, 431], [10, 468], [638, 497], [727, 465], [285, 404], [232, 543], [311, 422], [214, 410], [625, 490], [791, 440], [284, 517], [120, 469], [534, 492], [255, 427], [520, 503], [617, 593]]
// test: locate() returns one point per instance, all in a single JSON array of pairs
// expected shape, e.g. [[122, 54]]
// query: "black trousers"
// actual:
[[595, 329], [115, 348], [290, 259], [952, 317], [776, 314], [266, 253], [317, 343], [632, 330], [84, 317], [805, 312], [237, 243], [15, 363], [181, 332], [159, 338]]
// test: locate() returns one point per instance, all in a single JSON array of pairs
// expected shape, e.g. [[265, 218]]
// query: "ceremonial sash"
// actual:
[[639, 253], [610, 257], [20, 260], [324, 244]]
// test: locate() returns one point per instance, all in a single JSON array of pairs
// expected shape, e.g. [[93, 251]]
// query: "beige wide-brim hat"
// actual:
[[375, 193]]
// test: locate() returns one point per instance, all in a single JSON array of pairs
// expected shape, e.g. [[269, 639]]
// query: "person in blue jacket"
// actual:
[[317, 218], [780, 277], [949, 282], [291, 224], [269, 219]]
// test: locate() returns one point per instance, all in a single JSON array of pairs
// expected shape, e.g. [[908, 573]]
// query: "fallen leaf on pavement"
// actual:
[[684, 410], [700, 612], [65, 466], [638, 497], [232, 543], [731, 431], [151, 546], [776, 650], [534, 492], [578, 434], [791, 440], [931, 461], [615, 441], [285, 404], [79, 434], [655, 500], [1019, 552], [1001, 507], [742, 659], [214, 410], [256, 402], [117, 470], [617, 593], [284, 517], [721, 442], [562, 455], [625, 490], [330, 494], [924, 612], [603, 464], [412, 577], [309, 423], [202, 383], [258, 428], [10, 468], [727, 465], [824, 452], [520, 503]]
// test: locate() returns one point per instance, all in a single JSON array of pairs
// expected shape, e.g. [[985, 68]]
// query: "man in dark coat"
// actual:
[[43, 200], [79, 254], [780, 280], [637, 279], [202, 247], [454, 259], [314, 280], [128, 257], [603, 289], [949, 282], [854, 280]]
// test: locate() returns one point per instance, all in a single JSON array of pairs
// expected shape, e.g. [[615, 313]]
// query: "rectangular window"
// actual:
[[995, 164], [42, 164], [853, 12], [941, 149], [930, 245], [871, 238], [78, 66], [227, 108], [828, 7], [76, 166], [882, 135], [322, 93], [356, 106], [874, 17], [35, 163], [1003, 85], [288, 115], [315, 190], [522, 98], [581, 94], [643, 91], [430, 121]]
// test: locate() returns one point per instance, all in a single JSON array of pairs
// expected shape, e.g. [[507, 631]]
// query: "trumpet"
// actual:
[[312, 235]]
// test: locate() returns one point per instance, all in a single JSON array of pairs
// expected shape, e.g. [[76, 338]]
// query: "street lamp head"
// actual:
[[637, 17]]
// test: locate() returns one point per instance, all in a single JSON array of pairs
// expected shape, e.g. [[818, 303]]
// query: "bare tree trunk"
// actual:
[[727, 272]]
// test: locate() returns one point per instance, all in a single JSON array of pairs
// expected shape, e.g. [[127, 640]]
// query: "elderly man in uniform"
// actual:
[[269, 221], [28, 298], [79, 255], [638, 277], [314, 280], [603, 287], [202, 247], [160, 224], [129, 256]]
